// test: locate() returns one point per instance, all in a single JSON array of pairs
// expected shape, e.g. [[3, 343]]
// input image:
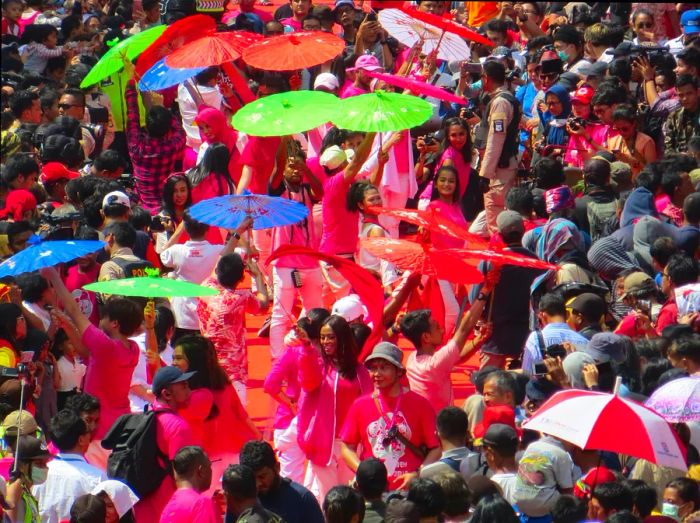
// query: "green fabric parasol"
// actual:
[[382, 112], [286, 113], [151, 287], [113, 60]]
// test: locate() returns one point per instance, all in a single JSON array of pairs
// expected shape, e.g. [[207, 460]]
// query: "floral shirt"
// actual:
[[222, 320]]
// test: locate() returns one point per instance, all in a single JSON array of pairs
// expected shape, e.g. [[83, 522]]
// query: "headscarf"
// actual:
[[556, 134], [121, 495], [608, 258], [558, 199], [216, 120], [555, 234], [646, 231], [573, 368], [17, 203], [639, 203]]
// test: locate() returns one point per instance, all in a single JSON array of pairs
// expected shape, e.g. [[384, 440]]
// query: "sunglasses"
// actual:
[[647, 25], [67, 106]]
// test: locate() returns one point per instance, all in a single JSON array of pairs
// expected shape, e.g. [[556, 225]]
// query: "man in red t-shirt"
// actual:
[[392, 424]]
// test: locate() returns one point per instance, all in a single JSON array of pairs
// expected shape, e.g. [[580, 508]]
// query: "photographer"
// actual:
[[581, 124], [553, 122]]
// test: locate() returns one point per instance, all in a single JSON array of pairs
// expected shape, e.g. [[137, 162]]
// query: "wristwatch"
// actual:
[[482, 297], [236, 235]]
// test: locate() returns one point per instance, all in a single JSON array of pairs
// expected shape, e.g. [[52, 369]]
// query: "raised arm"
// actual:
[[360, 157], [66, 299]]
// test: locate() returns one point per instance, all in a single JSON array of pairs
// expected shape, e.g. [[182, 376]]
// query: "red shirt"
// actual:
[[370, 420], [259, 153]]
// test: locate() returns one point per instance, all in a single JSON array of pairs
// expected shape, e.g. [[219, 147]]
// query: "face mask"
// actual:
[[563, 56], [39, 475], [670, 510]]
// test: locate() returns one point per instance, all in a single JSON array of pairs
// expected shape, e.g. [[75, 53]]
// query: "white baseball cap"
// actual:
[[349, 308], [327, 80], [116, 198], [333, 157]]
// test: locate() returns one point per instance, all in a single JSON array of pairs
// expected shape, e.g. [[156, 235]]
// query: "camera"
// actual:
[[157, 224], [127, 181], [513, 74], [391, 436], [14, 372], [555, 350], [472, 67], [97, 130], [576, 122], [59, 227], [435, 138]]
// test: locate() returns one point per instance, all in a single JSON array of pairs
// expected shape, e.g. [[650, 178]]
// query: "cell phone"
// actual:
[[556, 350], [540, 369], [296, 279]]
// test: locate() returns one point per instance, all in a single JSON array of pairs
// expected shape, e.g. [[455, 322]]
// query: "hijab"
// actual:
[[556, 234], [121, 495], [554, 126], [220, 129]]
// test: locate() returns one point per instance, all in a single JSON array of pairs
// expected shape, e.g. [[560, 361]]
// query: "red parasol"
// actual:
[[448, 26], [212, 49], [501, 258], [365, 285], [417, 87], [174, 37], [431, 220], [424, 259], [293, 51]]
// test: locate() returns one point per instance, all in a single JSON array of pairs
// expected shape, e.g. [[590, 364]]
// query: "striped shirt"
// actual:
[[552, 334]]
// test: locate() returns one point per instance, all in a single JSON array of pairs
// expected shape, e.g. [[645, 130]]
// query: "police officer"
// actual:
[[499, 162]]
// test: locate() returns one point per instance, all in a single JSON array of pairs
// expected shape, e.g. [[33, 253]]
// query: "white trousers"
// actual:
[[320, 479], [291, 458]]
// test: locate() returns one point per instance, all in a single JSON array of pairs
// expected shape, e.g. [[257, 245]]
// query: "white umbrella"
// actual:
[[599, 421], [408, 31]]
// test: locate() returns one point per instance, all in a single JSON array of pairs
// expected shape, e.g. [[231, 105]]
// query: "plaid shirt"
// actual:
[[153, 158]]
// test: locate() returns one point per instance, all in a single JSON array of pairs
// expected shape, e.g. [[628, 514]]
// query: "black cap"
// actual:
[[167, 376], [402, 511], [540, 389], [29, 448], [371, 474], [501, 436], [623, 49], [595, 69], [589, 305]]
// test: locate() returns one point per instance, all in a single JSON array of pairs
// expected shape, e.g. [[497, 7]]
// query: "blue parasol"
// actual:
[[266, 211], [47, 254], [160, 76]]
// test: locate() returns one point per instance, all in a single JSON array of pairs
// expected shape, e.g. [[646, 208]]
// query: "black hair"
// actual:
[[649, 177], [215, 160], [548, 173], [651, 373], [58, 148], [691, 56], [78, 94], [165, 320], [552, 304], [428, 496], [644, 496], [37, 33], [201, 355], [492, 508], [48, 97], [258, 455], [75, 74], [109, 160], [446, 168], [126, 312], [356, 194], [651, 348], [670, 181], [568, 34], [239, 482], [414, 324], [342, 504], [10, 313], [88, 508], [311, 323], [569, 509], [158, 121], [19, 165], [625, 112], [682, 269], [169, 189], [662, 249], [124, 234], [372, 488], [82, 402], [66, 428], [686, 79], [520, 200], [691, 207], [33, 285], [495, 70], [623, 516], [596, 172], [607, 94], [70, 24], [621, 68], [452, 424], [207, 75], [537, 43], [683, 163], [187, 459], [22, 101], [310, 16], [496, 25], [346, 354], [140, 218], [688, 490], [361, 333], [687, 347], [14, 229], [149, 4], [194, 228], [466, 150], [613, 496], [229, 270]]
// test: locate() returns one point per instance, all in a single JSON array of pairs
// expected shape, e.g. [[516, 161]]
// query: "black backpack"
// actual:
[[132, 269], [136, 458]]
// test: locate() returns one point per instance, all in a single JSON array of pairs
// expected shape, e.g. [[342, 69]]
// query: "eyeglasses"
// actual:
[[646, 25], [67, 106]]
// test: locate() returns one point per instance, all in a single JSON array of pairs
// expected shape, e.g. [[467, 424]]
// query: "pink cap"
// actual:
[[583, 95], [367, 62]]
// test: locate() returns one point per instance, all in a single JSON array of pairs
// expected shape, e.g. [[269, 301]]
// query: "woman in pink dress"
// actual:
[[214, 128], [212, 177], [445, 201]]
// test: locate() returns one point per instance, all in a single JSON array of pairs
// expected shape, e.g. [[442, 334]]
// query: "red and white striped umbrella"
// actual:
[[600, 421]]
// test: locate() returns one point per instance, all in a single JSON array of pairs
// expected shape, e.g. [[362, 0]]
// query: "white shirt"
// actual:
[[194, 262], [507, 483], [70, 476], [211, 96], [71, 374], [552, 333], [39, 312], [140, 375]]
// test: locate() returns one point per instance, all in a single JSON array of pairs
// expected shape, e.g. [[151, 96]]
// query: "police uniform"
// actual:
[[499, 163]]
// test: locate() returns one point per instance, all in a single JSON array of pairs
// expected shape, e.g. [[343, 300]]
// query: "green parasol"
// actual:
[[151, 287], [286, 113], [113, 60], [382, 112]]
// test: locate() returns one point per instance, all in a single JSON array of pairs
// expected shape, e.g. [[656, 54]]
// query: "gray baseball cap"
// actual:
[[387, 351]]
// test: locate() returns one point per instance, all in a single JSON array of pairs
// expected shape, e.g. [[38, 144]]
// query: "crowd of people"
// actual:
[[577, 144]]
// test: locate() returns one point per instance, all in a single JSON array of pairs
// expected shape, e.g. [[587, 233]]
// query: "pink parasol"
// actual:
[[417, 87]]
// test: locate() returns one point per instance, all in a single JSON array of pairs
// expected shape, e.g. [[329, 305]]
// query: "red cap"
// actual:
[[583, 95], [495, 414], [594, 477], [53, 171]]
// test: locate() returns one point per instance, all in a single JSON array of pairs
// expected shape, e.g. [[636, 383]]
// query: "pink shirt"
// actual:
[[351, 89], [302, 233], [259, 153], [189, 506], [172, 433], [228, 431], [285, 371], [453, 212], [290, 22], [463, 168], [86, 299], [197, 410], [429, 375], [108, 376], [340, 226]]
